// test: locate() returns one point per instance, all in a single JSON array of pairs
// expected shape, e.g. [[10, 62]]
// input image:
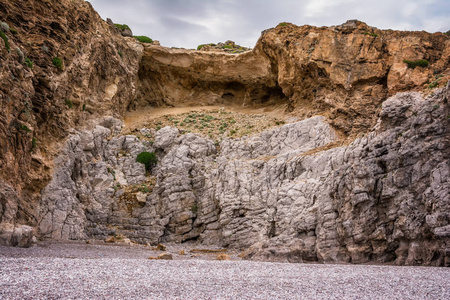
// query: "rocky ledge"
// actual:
[[283, 194]]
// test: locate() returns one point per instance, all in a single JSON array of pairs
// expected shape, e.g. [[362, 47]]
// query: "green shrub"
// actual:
[[282, 24], [416, 63], [122, 26], [5, 38], [149, 159], [371, 34], [29, 63], [227, 47], [25, 128], [13, 31], [200, 46], [120, 53], [143, 39], [33, 144], [57, 62], [69, 103]]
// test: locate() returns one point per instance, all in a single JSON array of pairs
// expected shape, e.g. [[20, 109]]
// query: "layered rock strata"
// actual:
[[67, 173], [382, 198]]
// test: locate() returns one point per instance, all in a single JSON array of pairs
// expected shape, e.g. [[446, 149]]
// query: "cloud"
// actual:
[[188, 23]]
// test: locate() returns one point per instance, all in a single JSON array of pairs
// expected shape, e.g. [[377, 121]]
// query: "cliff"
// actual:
[[360, 175], [63, 67]]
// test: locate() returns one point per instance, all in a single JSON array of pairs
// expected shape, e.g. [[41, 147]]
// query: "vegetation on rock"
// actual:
[[143, 39], [122, 26], [416, 63], [57, 62], [371, 34], [149, 159], [69, 103], [29, 63], [5, 39]]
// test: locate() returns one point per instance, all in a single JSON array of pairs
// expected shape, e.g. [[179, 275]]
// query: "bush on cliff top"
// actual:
[[123, 26], [149, 159], [143, 39], [416, 63]]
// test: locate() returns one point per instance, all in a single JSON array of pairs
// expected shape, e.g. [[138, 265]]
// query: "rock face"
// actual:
[[85, 192], [344, 72], [64, 67], [67, 172], [382, 198]]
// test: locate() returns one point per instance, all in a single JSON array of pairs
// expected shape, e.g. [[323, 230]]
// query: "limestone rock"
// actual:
[[223, 257], [165, 137], [165, 256]]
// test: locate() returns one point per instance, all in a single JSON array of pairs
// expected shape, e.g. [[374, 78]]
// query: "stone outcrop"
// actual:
[[290, 193], [382, 198], [344, 72], [64, 67]]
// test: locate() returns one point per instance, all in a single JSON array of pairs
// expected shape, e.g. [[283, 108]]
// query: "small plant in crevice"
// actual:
[[412, 64], [69, 103], [149, 159], [57, 62], [83, 108], [29, 63], [371, 34], [200, 46], [194, 208], [112, 172], [120, 53], [24, 128], [282, 24], [5, 39], [33, 144]]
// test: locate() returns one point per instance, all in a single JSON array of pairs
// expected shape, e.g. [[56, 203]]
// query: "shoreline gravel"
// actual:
[[75, 271]]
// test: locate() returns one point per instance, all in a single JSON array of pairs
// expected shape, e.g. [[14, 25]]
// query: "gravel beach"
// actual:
[[77, 271]]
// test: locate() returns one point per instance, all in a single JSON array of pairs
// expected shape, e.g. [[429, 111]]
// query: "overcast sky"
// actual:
[[188, 23]]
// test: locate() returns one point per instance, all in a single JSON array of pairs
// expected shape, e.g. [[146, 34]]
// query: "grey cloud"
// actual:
[[188, 23]]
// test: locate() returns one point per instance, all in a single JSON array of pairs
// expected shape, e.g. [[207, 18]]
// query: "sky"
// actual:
[[189, 23]]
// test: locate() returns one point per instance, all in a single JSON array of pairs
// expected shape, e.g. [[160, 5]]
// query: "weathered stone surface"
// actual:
[[66, 170], [12, 233], [165, 137], [165, 256], [90, 175], [382, 198], [40, 104], [344, 72]]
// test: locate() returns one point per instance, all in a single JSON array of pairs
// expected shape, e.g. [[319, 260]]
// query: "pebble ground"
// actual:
[[76, 271]]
